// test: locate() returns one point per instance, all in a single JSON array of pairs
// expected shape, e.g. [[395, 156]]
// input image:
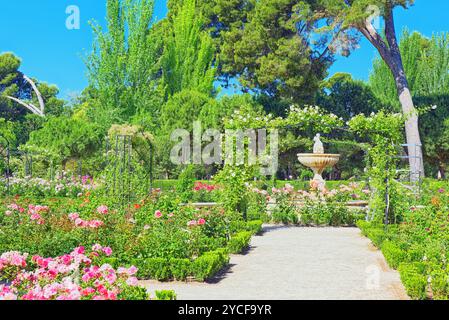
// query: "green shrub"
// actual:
[[255, 226], [289, 217], [414, 280], [363, 225], [239, 242], [165, 295], [393, 254], [377, 236], [153, 268], [180, 268], [134, 293], [209, 264], [440, 285], [185, 184]]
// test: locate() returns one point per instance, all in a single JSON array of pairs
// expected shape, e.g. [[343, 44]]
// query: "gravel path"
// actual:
[[300, 264]]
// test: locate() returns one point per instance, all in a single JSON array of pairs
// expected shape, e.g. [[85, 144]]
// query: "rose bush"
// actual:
[[73, 276]]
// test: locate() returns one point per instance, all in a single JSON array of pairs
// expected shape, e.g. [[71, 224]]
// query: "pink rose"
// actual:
[[191, 223], [79, 250], [73, 216], [35, 216], [158, 214], [97, 247], [107, 251], [103, 209], [132, 270], [201, 222], [95, 223], [132, 281]]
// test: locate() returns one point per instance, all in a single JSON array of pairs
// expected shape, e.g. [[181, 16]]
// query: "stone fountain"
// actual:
[[318, 161]]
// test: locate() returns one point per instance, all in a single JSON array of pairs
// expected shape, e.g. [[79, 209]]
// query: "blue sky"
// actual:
[[36, 32]]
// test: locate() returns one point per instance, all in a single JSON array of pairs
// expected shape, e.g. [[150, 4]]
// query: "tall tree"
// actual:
[[267, 46], [188, 51], [123, 68], [21, 99], [342, 18]]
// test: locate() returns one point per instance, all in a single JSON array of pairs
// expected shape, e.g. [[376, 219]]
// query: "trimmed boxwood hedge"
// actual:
[[201, 268], [239, 242], [393, 254], [414, 280]]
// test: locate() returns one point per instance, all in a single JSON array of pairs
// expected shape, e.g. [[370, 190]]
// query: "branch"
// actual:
[[373, 36], [390, 31], [41, 111], [30, 107], [38, 94]]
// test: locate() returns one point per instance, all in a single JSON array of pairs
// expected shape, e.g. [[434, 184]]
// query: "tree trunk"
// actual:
[[442, 171], [391, 54], [414, 144]]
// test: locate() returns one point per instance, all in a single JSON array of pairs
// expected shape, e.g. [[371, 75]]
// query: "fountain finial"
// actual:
[[318, 147]]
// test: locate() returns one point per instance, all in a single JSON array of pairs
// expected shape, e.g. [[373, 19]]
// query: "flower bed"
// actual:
[[164, 240], [418, 246], [62, 186], [73, 276], [313, 207]]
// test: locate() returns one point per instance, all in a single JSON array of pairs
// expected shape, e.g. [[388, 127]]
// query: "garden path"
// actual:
[[292, 263]]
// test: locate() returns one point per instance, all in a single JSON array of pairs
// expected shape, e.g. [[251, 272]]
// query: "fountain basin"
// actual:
[[318, 162]]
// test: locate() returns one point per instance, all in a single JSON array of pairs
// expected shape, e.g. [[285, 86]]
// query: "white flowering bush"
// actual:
[[62, 186]]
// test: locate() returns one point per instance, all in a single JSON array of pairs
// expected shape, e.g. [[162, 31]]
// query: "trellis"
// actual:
[[121, 160]]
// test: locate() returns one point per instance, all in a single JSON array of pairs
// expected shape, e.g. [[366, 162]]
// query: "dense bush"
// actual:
[[414, 280], [393, 254], [239, 242], [209, 264]]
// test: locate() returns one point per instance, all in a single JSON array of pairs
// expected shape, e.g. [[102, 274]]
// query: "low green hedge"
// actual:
[[239, 242], [165, 295], [209, 264], [414, 280], [376, 233], [393, 254], [201, 268], [422, 278], [255, 226], [180, 268], [440, 283]]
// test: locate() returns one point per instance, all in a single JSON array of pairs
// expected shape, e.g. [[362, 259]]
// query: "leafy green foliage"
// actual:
[[239, 242], [123, 67], [66, 138], [12, 83], [266, 45], [346, 97], [188, 52], [384, 131]]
